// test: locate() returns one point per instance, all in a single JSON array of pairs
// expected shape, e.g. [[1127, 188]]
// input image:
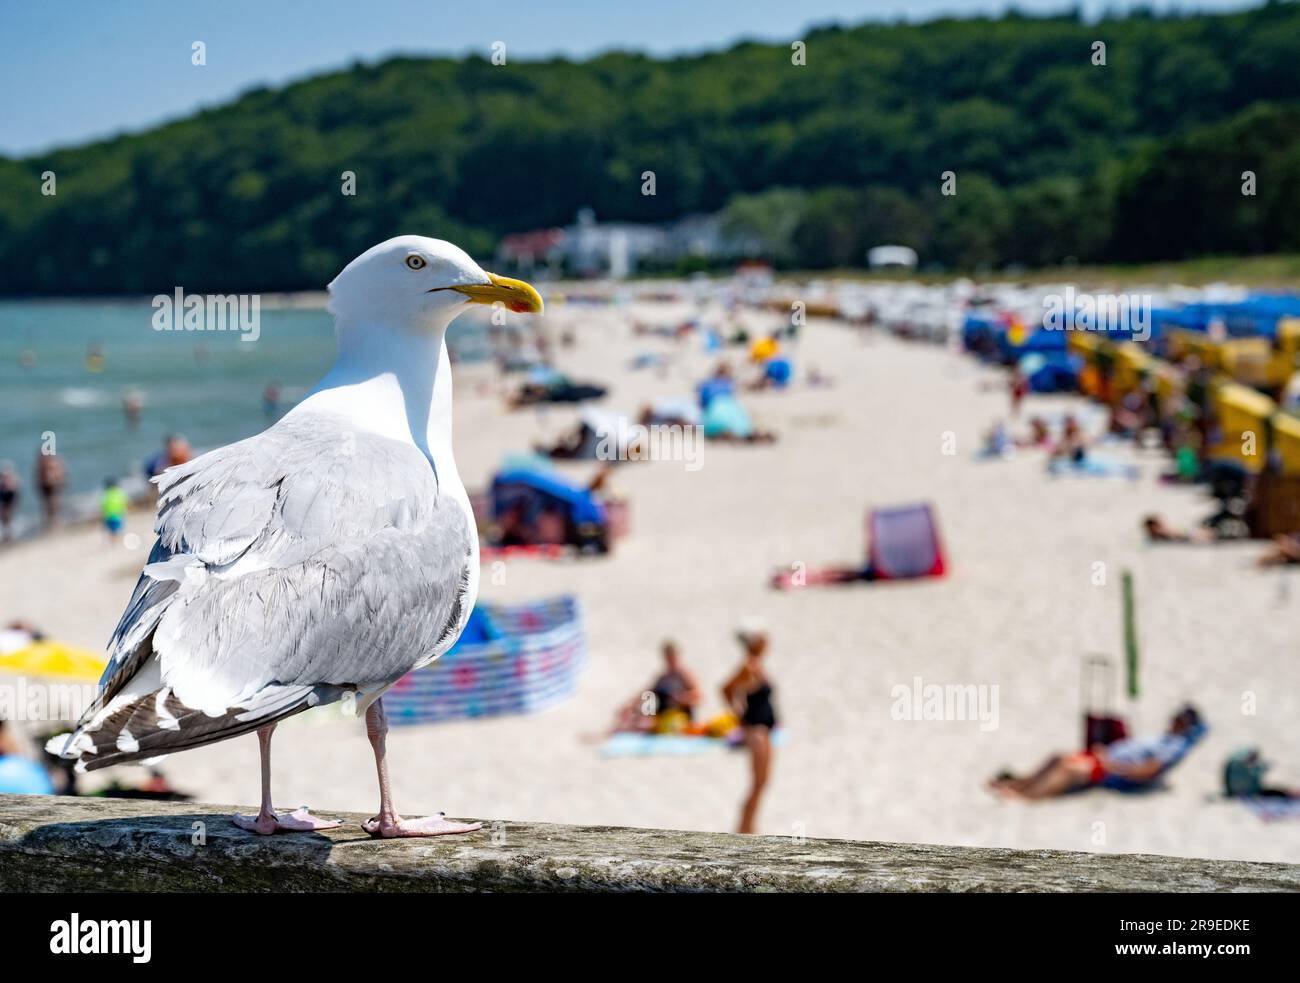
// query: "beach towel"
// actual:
[[1272, 808], [1093, 466], [629, 744]]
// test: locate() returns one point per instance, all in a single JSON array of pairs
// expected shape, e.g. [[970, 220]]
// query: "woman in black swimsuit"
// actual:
[[749, 693]]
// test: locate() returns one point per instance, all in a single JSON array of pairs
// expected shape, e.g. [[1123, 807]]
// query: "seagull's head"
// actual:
[[421, 283]]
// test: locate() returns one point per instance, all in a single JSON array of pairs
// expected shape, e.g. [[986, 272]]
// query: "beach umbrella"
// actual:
[[724, 416], [55, 660]]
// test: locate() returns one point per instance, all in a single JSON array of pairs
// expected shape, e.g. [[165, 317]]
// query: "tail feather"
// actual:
[[157, 723]]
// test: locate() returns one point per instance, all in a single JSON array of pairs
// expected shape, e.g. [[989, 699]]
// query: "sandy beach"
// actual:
[[1018, 610]]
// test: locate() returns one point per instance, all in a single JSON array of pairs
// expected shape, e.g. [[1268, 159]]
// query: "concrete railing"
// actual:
[[93, 844]]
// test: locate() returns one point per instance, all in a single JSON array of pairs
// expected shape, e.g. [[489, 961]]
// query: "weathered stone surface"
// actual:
[[92, 844]]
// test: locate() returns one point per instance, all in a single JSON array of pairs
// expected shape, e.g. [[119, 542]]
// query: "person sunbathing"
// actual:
[[1158, 531], [1228, 523], [572, 445], [1284, 551], [668, 705], [1126, 765], [1073, 445]]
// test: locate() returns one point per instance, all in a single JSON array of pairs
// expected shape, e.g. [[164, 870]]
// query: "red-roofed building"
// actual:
[[528, 250]]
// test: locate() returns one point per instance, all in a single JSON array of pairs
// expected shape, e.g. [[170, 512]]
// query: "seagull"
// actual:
[[318, 561]]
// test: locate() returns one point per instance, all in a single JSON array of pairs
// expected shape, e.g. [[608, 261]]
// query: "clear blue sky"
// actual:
[[74, 70]]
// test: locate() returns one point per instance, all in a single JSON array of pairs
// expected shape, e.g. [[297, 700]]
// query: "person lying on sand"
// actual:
[[1127, 765], [571, 446], [1284, 551], [756, 437], [1158, 531], [1228, 523]]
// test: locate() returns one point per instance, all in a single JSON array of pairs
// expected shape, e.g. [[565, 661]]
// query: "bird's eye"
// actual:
[[416, 262]]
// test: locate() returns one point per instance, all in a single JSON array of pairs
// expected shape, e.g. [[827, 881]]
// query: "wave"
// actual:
[[81, 397]]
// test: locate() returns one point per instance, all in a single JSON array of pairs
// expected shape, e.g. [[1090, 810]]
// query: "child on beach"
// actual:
[[113, 505]]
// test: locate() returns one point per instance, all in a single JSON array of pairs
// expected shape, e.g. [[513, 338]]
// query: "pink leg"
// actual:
[[267, 820], [388, 823]]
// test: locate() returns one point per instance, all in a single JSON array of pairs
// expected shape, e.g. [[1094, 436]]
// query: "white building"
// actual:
[[886, 257]]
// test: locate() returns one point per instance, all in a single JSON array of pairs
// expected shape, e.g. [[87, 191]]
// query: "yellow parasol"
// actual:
[[54, 659], [763, 349]]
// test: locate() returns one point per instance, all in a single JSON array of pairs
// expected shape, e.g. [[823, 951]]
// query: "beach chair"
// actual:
[[1185, 743]]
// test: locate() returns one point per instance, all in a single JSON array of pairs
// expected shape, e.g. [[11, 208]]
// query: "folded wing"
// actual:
[[291, 568]]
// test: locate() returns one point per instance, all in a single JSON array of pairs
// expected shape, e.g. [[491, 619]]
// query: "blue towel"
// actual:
[[1093, 466], [636, 745], [1270, 808]]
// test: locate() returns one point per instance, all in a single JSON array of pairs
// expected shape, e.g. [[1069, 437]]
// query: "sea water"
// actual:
[[65, 368]]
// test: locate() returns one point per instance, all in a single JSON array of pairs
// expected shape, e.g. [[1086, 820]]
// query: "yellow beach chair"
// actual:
[[1286, 443], [1243, 414]]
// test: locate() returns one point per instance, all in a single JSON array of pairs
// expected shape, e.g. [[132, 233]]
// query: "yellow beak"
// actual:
[[517, 296]]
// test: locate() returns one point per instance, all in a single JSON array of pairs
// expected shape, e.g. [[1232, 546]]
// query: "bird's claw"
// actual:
[[298, 821]]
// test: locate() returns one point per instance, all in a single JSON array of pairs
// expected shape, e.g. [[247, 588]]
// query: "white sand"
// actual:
[[1018, 611]]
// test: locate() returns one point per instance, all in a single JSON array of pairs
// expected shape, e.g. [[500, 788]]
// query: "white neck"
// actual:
[[392, 382]]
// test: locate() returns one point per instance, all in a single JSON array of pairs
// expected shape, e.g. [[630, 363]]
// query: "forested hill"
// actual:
[[1056, 157]]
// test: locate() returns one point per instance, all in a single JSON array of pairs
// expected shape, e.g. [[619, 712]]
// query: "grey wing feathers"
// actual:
[[289, 568]]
